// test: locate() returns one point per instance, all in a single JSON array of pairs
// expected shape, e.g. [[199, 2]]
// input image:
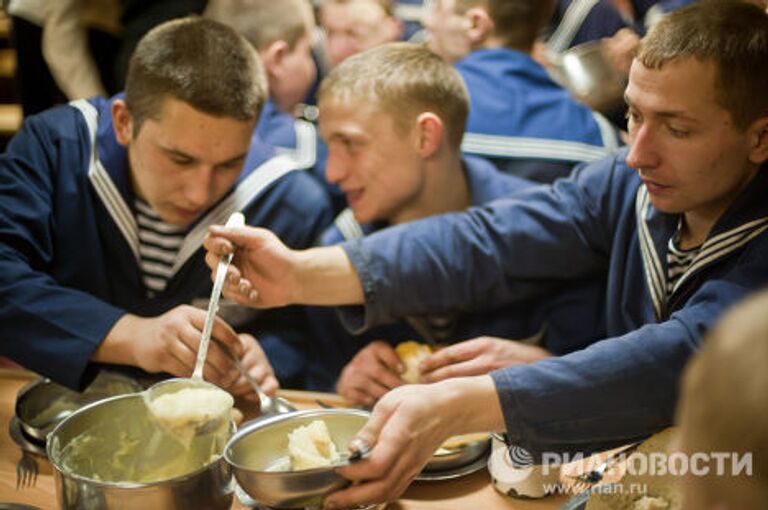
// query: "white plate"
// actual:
[[449, 474]]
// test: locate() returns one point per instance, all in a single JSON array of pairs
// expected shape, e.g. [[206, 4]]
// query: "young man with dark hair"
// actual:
[[104, 204], [519, 119], [678, 225]]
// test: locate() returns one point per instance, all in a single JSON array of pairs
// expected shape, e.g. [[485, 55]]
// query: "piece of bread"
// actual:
[[411, 353], [311, 447], [644, 491]]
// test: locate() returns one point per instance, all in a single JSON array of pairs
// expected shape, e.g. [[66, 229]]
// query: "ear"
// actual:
[[122, 120], [479, 25], [272, 57], [395, 28], [430, 131], [758, 133]]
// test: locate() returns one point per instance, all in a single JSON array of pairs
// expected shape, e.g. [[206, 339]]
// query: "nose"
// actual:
[[643, 153], [198, 187], [340, 47], [335, 168]]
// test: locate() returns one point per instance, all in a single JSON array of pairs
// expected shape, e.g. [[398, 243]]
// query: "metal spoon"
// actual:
[[202, 424], [267, 405]]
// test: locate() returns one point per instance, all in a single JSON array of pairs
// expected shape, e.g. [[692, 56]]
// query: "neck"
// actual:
[[698, 223], [445, 189]]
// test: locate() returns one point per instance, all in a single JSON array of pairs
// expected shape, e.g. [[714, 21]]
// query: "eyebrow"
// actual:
[[669, 114], [182, 154]]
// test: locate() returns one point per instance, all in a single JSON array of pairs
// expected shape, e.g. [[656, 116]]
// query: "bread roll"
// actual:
[[411, 353]]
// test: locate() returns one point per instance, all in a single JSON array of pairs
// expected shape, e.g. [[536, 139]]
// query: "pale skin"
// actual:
[[181, 162], [693, 161]]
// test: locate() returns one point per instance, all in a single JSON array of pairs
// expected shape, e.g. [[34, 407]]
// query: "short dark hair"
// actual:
[[517, 22], [263, 22], [200, 62], [734, 35], [407, 80]]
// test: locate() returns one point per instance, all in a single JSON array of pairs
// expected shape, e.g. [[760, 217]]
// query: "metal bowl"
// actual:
[[586, 71], [260, 444], [210, 486], [461, 454], [42, 404]]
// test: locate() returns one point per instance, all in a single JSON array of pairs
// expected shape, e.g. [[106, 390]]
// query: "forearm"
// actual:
[[118, 346], [473, 404], [326, 277]]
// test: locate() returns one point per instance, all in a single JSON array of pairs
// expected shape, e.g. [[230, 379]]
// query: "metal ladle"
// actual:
[[267, 405], [203, 423]]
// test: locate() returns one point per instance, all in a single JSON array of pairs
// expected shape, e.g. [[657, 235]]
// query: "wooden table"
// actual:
[[470, 492]]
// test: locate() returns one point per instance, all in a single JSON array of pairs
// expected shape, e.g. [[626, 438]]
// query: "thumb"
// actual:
[[366, 437], [240, 236]]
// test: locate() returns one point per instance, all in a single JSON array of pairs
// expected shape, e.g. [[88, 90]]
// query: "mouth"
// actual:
[[353, 196], [654, 188], [188, 214]]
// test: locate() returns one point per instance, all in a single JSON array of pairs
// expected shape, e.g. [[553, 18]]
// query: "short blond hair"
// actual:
[[402, 80], [723, 402], [263, 22], [388, 6]]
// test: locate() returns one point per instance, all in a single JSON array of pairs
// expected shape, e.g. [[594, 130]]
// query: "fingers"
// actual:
[[216, 246], [471, 367], [361, 388], [387, 356], [371, 374], [455, 353]]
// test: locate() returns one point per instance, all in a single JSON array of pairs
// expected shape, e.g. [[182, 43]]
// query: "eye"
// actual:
[[632, 116], [182, 161], [677, 133]]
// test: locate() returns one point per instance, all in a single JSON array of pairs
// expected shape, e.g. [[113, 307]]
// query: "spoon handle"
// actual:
[[235, 220], [263, 397]]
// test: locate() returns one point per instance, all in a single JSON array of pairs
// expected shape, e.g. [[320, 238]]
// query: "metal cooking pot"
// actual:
[[585, 70], [210, 487]]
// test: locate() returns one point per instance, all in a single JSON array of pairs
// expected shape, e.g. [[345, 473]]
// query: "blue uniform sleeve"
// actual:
[[47, 327], [505, 253], [621, 389]]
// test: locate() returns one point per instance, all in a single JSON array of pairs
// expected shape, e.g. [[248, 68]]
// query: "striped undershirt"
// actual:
[[678, 261], [159, 245]]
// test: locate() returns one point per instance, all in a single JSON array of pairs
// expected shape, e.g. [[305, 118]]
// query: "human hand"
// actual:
[[406, 427], [169, 343], [255, 362], [373, 371], [620, 48], [477, 356], [261, 261]]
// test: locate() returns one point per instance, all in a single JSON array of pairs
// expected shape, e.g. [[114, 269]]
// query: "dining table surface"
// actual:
[[472, 491]]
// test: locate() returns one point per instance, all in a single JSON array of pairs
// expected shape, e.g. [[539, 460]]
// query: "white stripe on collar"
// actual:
[[103, 184], [248, 190], [348, 225], [713, 249], [655, 276], [721, 245], [519, 147], [409, 12], [570, 23], [607, 132]]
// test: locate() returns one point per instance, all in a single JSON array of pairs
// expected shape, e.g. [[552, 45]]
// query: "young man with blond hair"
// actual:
[[352, 26], [281, 32], [394, 140], [722, 409], [678, 225]]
